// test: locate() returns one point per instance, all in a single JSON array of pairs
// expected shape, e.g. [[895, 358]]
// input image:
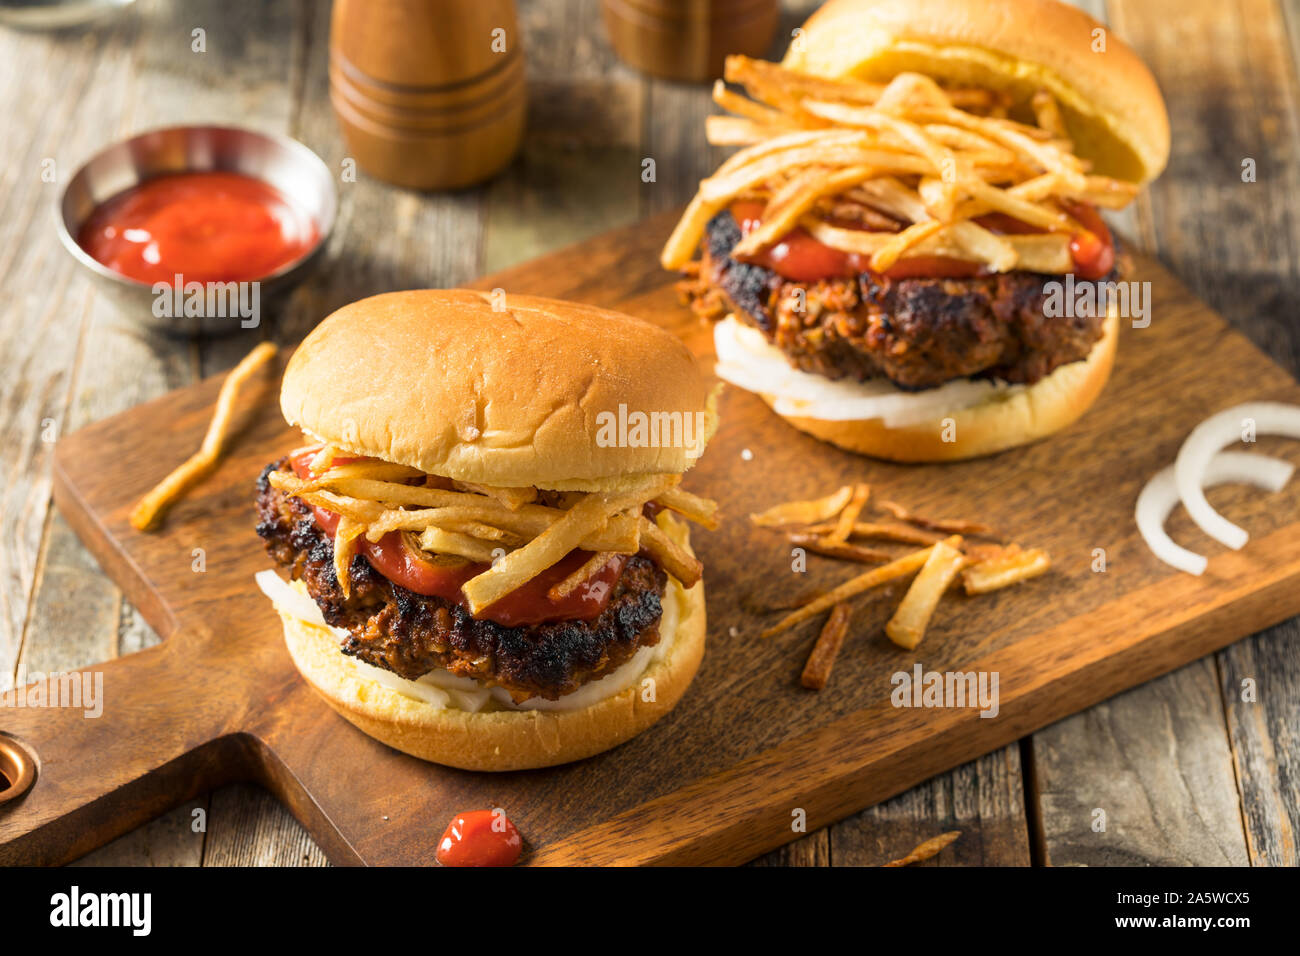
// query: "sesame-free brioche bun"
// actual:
[[502, 389], [1006, 421], [504, 739], [1110, 102]]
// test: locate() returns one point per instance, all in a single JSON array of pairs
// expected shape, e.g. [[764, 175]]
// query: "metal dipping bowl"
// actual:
[[282, 162]]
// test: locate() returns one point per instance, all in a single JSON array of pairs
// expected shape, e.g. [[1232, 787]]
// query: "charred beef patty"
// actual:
[[411, 634], [918, 333]]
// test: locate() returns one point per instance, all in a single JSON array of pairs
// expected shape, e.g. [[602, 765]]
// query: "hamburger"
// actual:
[[892, 256], [484, 530]]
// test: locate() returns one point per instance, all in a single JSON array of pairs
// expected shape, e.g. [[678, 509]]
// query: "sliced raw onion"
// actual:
[[746, 359], [434, 696], [289, 600], [1216, 432], [1161, 493]]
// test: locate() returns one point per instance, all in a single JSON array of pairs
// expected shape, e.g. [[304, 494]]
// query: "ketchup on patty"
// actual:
[[799, 257]]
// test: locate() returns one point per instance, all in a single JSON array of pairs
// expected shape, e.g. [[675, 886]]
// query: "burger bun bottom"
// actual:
[[500, 739], [1008, 421]]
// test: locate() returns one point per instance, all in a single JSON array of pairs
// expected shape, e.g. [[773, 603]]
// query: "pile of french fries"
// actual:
[[512, 530], [893, 171], [830, 525]]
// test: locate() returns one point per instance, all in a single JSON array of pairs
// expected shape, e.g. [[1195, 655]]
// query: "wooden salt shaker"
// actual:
[[430, 94], [688, 39]]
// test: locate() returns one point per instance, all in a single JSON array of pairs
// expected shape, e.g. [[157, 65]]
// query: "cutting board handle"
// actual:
[[114, 746]]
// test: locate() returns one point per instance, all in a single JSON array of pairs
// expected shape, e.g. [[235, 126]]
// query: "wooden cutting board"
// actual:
[[724, 777]]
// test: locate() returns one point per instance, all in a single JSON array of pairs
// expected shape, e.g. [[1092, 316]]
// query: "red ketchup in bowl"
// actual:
[[204, 227]]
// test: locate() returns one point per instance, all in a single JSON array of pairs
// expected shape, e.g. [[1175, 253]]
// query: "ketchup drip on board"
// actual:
[[204, 227], [480, 838], [799, 257], [410, 568]]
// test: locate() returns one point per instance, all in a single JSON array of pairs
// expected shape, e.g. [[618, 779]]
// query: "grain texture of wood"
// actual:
[[150, 54], [1144, 779], [75, 613], [589, 116], [984, 799], [1259, 678], [579, 172], [593, 125], [694, 788], [1229, 80]]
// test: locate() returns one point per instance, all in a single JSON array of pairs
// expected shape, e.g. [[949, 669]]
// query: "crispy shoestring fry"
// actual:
[[376, 471], [958, 138], [1049, 252], [884, 532], [940, 197], [324, 458], [674, 559], [737, 131], [589, 569], [748, 109], [153, 506], [890, 195], [999, 200], [1049, 114], [397, 493], [946, 525], [844, 523], [746, 71], [847, 240], [702, 511], [907, 626], [803, 512], [891, 251], [1005, 570], [448, 519], [512, 498], [441, 541], [836, 549], [911, 90], [457, 518], [930, 848], [345, 546], [818, 669]]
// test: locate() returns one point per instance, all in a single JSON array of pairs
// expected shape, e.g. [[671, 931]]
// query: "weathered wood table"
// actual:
[[1185, 770]]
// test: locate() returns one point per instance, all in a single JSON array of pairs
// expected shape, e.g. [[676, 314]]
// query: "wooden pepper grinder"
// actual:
[[430, 93], [688, 39]]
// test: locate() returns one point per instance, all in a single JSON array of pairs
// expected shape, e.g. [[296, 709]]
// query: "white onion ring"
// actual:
[[1217, 432], [1161, 493]]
